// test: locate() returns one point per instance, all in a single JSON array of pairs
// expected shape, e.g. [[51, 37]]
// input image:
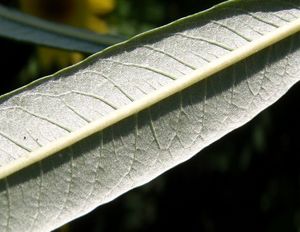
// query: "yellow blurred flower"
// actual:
[[79, 13]]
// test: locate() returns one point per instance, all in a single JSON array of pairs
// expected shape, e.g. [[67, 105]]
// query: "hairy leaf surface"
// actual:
[[131, 152]]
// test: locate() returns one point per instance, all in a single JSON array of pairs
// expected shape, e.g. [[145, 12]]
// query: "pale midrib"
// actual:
[[153, 98]]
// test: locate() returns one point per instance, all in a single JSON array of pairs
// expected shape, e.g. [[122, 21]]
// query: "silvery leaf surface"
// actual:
[[129, 153]]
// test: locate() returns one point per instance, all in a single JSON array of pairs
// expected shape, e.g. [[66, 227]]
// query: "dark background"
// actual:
[[247, 181]]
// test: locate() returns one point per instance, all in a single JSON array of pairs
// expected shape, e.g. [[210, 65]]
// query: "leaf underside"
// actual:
[[136, 150]]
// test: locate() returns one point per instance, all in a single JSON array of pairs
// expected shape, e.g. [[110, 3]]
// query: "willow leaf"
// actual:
[[26, 28], [83, 136]]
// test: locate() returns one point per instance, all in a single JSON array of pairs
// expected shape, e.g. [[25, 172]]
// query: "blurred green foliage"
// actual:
[[247, 181]]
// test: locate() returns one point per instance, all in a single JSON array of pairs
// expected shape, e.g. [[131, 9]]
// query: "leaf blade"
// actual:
[[151, 99], [139, 148]]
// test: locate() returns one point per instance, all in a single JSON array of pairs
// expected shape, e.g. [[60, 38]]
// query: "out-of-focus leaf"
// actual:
[[23, 27]]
